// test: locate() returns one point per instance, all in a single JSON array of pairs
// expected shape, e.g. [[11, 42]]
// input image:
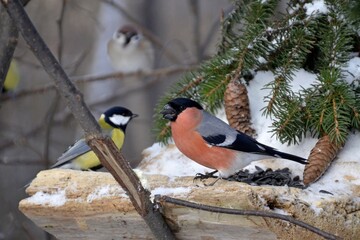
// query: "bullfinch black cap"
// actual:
[[174, 107]]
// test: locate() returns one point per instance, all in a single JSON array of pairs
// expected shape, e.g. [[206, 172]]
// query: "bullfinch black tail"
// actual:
[[246, 143], [288, 156], [275, 153]]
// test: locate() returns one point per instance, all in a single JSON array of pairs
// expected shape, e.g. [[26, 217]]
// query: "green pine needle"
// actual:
[[253, 39]]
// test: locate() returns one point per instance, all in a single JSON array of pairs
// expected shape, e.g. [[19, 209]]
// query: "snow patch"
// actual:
[[169, 162], [54, 199], [170, 191], [105, 191], [316, 7]]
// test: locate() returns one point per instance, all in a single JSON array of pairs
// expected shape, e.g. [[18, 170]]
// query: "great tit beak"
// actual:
[[134, 115], [169, 113]]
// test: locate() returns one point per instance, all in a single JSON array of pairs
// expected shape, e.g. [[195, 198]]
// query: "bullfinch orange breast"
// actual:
[[211, 142]]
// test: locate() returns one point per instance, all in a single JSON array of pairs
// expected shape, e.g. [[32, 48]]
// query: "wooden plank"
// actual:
[[90, 205]]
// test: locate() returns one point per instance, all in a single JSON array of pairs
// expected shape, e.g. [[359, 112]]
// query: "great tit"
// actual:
[[79, 156], [211, 142]]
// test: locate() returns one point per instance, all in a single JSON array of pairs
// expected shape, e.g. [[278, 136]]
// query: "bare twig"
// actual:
[[104, 147], [18, 138], [23, 161], [158, 73], [53, 107], [160, 199], [194, 7], [130, 89], [60, 31], [216, 26], [49, 124]]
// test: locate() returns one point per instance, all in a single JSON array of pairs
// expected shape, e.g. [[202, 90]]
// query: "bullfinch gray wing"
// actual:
[[217, 133]]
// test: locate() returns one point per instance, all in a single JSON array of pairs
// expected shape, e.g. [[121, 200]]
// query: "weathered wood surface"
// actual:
[[90, 205]]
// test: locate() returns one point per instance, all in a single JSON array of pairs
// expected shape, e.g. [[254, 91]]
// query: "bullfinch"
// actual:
[[211, 142], [79, 156]]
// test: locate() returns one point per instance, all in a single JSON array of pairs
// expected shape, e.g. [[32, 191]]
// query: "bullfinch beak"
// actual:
[[169, 113]]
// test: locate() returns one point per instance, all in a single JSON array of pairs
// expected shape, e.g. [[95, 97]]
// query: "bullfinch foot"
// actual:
[[202, 177], [279, 177], [207, 175]]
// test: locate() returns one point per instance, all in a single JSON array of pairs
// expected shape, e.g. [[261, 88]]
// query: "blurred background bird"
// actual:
[[113, 123], [211, 142], [12, 78], [130, 51]]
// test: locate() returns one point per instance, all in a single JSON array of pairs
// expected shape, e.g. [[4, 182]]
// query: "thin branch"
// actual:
[[195, 10], [49, 124], [159, 73], [130, 89], [18, 139], [108, 154], [54, 105], [23, 161], [160, 199], [60, 31], [216, 26]]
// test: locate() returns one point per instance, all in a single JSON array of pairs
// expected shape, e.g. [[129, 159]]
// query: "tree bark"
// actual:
[[104, 148]]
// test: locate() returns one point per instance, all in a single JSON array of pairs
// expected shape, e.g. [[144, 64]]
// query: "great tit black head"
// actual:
[[118, 117]]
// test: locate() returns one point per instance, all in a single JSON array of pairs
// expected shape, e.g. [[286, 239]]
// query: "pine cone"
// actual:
[[320, 159], [237, 107]]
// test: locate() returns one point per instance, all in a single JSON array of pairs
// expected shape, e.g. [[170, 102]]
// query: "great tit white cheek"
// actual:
[[119, 119]]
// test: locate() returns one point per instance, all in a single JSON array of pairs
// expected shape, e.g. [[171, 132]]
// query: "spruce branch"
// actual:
[[291, 51], [288, 122], [321, 42]]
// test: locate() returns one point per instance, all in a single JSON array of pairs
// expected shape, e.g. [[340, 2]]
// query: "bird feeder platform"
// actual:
[[91, 205]]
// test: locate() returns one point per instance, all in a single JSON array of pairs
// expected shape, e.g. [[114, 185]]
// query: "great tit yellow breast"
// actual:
[[118, 137]]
